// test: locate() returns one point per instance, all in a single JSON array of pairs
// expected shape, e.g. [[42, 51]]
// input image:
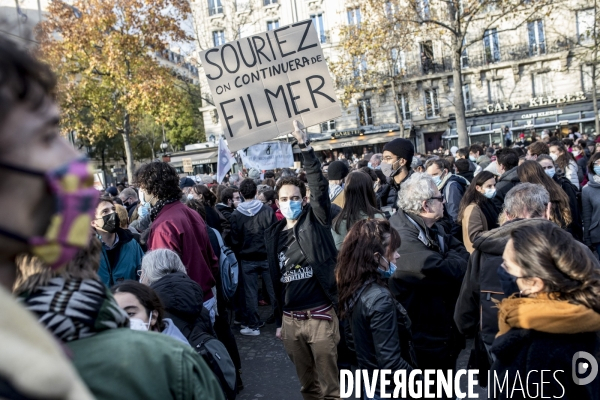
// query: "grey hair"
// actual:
[[526, 200], [128, 192], [417, 188], [160, 262], [234, 178]]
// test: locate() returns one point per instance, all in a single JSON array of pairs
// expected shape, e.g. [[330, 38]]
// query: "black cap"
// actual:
[[186, 182], [337, 170], [401, 148]]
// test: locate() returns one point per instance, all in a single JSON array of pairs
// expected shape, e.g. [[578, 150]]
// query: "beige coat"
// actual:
[[473, 225]]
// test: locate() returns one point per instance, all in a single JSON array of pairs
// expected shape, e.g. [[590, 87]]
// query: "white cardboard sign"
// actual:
[[261, 83], [268, 155]]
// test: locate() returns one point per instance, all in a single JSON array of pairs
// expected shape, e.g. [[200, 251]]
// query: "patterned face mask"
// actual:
[[75, 201]]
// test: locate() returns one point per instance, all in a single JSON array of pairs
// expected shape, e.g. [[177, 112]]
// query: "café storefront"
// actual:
[[557, 114]]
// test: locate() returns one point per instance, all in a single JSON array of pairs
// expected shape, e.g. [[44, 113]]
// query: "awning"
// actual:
[[354, 141], [197, 159]]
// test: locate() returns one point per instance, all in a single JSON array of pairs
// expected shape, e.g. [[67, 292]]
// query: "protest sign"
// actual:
[[187, 165], [224, 162], [261, 83], [269, 155]]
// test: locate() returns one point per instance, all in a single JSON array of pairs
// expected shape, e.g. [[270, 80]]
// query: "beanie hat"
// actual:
[[186, 182], [337, 170], [401, 148], [112, 191], [254, 174]]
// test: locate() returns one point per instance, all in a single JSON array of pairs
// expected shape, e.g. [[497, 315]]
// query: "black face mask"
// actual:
[[508, 282], [111, 222]]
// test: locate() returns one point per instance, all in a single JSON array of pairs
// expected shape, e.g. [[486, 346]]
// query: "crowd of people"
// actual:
[[390, 261]]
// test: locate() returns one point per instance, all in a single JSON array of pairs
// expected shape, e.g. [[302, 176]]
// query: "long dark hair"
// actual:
[[563, 160], [472, 195], [532, 172], [208, 197], [360, 200], [147, 298], [356, 262], [551, 254]]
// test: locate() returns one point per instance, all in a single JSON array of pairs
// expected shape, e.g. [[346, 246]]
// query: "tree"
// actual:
[[103, 54], [372, 56]]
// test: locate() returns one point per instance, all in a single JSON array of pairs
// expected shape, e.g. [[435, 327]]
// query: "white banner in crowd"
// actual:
[[269, 155], [225, 160], [261, 83]]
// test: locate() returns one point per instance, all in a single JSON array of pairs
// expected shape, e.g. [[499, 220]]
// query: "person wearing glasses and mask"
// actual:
[[428, 280], [121, 254], [396, 166]]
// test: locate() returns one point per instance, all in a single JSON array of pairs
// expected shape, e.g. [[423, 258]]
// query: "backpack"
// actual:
[[229, 268], [216, 357]]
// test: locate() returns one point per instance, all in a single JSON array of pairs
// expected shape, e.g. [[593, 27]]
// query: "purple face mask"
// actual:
[[75, 200]]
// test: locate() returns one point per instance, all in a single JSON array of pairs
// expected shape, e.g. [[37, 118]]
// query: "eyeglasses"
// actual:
[[438, 198]]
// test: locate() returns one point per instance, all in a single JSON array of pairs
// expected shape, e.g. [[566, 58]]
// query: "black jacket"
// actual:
[[225, 210], [183, 301], [427, 283], [526, 351], [507, 181], [313, 234], [247, 233], [379, 331], [467, 175], [573, 193], [392, 192]]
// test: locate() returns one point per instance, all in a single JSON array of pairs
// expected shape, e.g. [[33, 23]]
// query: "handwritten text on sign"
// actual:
[[263, 82]]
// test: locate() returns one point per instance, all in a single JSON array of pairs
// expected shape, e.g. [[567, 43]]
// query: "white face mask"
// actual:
[[138, 325], [553, 156], [190, 196], [575, 153]]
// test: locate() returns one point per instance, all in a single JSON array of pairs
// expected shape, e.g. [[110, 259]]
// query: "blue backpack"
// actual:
[[228, 266]]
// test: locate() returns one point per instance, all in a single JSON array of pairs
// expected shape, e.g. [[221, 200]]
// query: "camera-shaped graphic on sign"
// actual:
[[583, 364]]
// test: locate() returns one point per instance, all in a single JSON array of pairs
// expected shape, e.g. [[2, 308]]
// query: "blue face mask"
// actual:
[[291, 210], [390, 271], [144, 210], [370, 165], [472, 158], [508, 282], [550, 172], [437, 180], [490, 193], [597, 169]]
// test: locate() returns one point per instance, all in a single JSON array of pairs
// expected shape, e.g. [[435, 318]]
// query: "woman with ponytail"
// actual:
[[553, 312]]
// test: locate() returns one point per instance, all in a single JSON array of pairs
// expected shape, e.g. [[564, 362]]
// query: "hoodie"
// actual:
[[507, 181], [173, 331], [248, 224]]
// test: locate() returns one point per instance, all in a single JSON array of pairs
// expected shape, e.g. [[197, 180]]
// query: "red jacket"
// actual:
[[182, 230]]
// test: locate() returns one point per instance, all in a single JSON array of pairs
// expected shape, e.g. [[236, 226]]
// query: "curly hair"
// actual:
[[291, 180], [158, 179]]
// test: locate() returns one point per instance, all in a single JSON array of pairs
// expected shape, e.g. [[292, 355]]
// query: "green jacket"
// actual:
[[126, 364], [338, 238]]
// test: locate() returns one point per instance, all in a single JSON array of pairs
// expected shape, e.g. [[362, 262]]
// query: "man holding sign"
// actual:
[[302, 256], [263, 82]]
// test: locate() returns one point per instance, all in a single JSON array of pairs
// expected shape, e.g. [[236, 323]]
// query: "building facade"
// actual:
[[528, 78]]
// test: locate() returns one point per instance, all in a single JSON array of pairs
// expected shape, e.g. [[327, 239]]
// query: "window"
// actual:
[[491, 46], [495, 92], [542, 84], [328, 126], [244, 30], [399, 62], [218, 38], [404, 107], [537, 42], [586, 78], [269, 2], [354, 16], [242, 5], [271, 25], [360, 65], [427, 56], [423, 9], [317, 20], [466, 91], [214, 7], [364, 112], [432, 107], [585, 25], [464, 56]]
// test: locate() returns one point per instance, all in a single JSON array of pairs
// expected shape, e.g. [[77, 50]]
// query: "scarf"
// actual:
[[545, 314], [334, 191], [596, 178], [443, 182], [157, 208], [489, 209], [75, 309]]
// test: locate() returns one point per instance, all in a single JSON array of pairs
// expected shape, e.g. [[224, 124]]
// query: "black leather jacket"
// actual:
[[379, 331], [313, 233]]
